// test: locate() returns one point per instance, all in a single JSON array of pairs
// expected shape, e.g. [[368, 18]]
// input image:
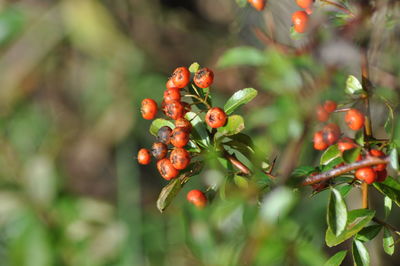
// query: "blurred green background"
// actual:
[[73, 74]]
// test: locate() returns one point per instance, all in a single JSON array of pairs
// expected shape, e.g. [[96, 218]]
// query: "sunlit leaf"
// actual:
[[336, 260], [388, 242], [244, 55], [336, 213], [360, 254], [330, 154], [234, 125], [388, 206], [390, 188], [394, 159], [350, 156], [353, 86], [199, 131], [369, 232], [158, 123], [194, 67], [238, 99]]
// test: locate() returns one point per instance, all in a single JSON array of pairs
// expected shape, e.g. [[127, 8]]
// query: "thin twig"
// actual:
[[339, 6]]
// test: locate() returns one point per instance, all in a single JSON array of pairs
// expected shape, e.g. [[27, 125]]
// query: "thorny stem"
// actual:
[[339, 6]]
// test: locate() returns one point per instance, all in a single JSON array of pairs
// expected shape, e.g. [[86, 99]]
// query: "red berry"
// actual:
[[144, 156], [174, 109], [319, 142], [183, 123], [216, 117], [166, 169], [354, 119], [203, 78], [170, 84], [197, 198], [159, 150], [180, 158], [322, 114], [164, 134], [366, 174], [181, 77], [381, 175], [378, 153], [330, 106], [179, 137], [345, 144], [257, 4], [172, 95], [149, 109], [304, 3], [300, 21], [331, 133]]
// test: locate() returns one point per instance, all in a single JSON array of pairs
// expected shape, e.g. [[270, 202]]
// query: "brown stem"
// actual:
[[369, 161], [339, 6], [238, 164], [364, 190]]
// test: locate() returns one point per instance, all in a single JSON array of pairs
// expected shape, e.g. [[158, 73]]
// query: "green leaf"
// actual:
[[336, 161], [388, 242], [241, 181], [336, 259], [344, 190], [241, 3], [158, 123], [368, 233], [303, 171], [359, 138], [394, 159], [329, 154], [337, 212], [244, 55], [350, 156], [388, 206], [238, 99], [353, 86], [277, 204], [356, 220], [234, 125], [194, 67], [199, 130], [360, 254], [390, 188], [240, 147]]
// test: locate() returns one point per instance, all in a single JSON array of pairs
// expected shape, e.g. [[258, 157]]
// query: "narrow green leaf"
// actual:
[[337, 212], [199, 130], [390, 188], [353, 86], [388, 242], [388, 206], [329, 154], [234, 125], [394, 159], [336, 259], [360, 254], [238, 99], [356, 220], [369, 232], [243, 55], [158, 123]]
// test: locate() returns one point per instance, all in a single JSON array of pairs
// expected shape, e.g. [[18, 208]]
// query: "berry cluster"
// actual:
[[331, 135], [300, 18], [179, 158]]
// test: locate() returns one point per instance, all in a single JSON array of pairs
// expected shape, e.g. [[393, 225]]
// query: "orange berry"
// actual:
[[159, 150], [149, 109], [174, 109], [300, 21], [172, 95], [331, 133], [181, 77], [345, 144], [166, 169], [322, 114], [319, 142], [144, 156], [180, 158], [170, 84], [257, 4], [183, 123], [197, 198], [366, 174], [354, 119], [304, 3], [179, 137], [330, 106], [216, 117], [378, 153], [203, 78]]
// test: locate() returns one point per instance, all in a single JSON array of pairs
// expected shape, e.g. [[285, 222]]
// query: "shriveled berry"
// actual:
[[354, 119], [164, 134], [174, 110], [180, 158], [173, 94], [330, 106], [166, 169], [216, 117], [257, 4], [300, 21], [366, 174], [144, 156], [304, 3], [378, 153], [319, 142], [159, 150], [183, 123], [381, 175], [180, 77], [203, 78], [345, 144], [197, 198], [322, 114], [331, 133], [149, 109], [179, 137]]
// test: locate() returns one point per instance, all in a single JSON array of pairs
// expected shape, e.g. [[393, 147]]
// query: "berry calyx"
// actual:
[[203, 78], [330, 106], [172, 95], [174, 109], [149, 109], [366, 174], [378, 153], [159, 150], [144, 156], [179, 137], [180, 158], [345, 144], [164, 135], [197, 198], [321, 114], [216, 117], [180, 77], [166, 169], [319, 141], [183, 123], [300, 21], [304, 3], [354, 119]]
